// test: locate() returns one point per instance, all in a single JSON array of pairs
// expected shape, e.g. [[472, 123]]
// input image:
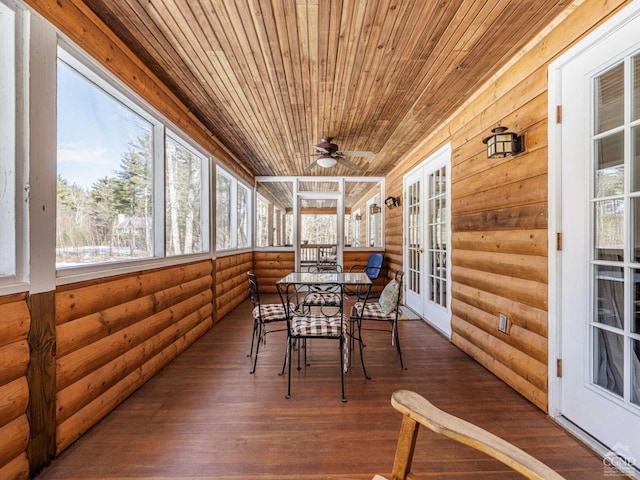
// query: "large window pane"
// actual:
[[7, 142], [262, 223], [374, 222], [319, 222], [244, 204], [223, 211], [359, 198], [183, 199], [233, 207], [104, 187], [274, 214]]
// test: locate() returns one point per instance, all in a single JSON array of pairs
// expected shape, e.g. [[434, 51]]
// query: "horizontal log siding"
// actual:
[[499, 258], [270, 267], [231, 282], [15, 322], [116, 333]]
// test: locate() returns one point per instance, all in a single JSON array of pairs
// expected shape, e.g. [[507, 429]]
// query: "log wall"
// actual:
[[270, 267], [15, 322], [114, 334], [499, 212], [231, 282]]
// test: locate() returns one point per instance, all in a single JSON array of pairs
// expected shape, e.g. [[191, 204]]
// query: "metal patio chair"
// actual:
[[381, 315]]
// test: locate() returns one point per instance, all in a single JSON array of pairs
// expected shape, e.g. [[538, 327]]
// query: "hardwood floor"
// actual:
[[205, 416]]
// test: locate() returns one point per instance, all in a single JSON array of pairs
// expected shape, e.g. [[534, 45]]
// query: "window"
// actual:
[[357, 219], [244, 203], [274, 213], [374, 212], [223, 211], [111, 206], [105, 170], [233, 217], [262, 222], [184, 213], [360, 196], [8, 104]]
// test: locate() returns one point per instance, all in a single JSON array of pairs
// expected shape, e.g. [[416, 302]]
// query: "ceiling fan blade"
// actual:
[[320, 150], [347, 163], [357, 153], [311, 165]]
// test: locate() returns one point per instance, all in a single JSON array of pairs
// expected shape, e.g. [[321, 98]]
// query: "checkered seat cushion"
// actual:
[[270, 312], [373, 311], [316, 326], [332, 299]]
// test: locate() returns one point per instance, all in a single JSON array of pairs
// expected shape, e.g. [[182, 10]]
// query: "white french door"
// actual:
[[600, 222], [426, 242]]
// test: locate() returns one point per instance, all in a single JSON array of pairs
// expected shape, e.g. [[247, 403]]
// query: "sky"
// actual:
[[93, 129]]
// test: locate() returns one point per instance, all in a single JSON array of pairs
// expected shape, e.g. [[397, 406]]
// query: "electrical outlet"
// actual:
[[503, 322]]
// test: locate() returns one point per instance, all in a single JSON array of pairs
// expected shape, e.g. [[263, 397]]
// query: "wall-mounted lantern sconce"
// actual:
[[503, 143], [357, 217], [392, 202], [374, 208]]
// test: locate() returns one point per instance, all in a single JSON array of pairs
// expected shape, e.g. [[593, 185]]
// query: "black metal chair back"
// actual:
[[323, 320], [263, 316]]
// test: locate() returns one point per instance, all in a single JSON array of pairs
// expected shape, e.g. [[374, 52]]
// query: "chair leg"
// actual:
[[286, 357], [361, 346], [253, 336], [255, 359], [289, 376], [344, 399], [397, 335], [306, 362]]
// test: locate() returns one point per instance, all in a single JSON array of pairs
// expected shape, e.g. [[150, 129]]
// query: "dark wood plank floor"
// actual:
[[205, 416]]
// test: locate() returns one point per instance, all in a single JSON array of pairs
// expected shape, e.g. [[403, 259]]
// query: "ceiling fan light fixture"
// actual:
[[326, 161]]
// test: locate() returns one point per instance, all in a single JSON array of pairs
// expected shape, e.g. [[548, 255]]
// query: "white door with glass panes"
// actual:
[[600, 223], [426, 240]]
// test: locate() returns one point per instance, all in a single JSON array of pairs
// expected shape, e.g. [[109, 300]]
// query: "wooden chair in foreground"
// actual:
[[416, 411]]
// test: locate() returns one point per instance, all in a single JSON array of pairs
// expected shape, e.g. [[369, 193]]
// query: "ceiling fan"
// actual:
[[329, 154]]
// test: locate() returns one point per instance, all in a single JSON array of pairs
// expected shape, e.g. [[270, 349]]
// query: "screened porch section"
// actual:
[[319, 220]]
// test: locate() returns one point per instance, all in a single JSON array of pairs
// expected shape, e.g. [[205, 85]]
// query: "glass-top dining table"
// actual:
[[320, 278]]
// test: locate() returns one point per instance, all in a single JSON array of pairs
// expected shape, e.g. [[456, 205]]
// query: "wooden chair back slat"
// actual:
[[418, 411]]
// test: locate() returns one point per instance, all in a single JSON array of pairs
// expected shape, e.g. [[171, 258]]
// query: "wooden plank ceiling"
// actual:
[[271, 78]]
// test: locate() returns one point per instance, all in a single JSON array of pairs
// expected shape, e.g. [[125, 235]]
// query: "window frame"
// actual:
[[235, 184], [341, 192], [249, 209], [170, 132], [13, 115], [374, 223], [162, 129]]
